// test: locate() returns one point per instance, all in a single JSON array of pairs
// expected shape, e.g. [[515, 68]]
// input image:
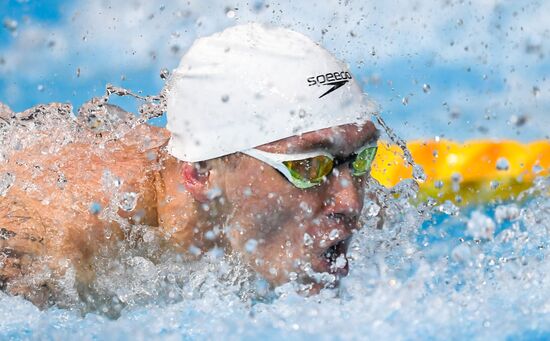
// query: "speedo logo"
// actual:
[[336, 79]]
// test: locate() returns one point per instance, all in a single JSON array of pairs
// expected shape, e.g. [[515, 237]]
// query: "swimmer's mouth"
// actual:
[[335, 260]]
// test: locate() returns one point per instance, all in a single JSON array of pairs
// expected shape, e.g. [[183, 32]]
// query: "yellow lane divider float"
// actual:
[[470, 172]]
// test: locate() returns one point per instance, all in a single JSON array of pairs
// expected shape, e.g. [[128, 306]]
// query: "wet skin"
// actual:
[[234, 202]]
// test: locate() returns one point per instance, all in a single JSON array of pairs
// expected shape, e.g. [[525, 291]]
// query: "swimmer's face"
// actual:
[[286, 232]]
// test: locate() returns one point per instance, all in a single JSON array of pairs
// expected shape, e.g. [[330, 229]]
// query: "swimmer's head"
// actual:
[[274, 144], [250, 85]]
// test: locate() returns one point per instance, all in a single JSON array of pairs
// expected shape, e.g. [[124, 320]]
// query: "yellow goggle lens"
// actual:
[[309, 172]]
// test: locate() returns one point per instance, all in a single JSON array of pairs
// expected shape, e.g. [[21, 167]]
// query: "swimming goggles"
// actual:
[[305, 170]]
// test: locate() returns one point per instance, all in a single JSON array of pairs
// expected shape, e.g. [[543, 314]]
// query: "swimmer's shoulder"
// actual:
[[146, 137]]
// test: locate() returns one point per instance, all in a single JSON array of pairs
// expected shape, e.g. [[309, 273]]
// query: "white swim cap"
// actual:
[[250, 85]]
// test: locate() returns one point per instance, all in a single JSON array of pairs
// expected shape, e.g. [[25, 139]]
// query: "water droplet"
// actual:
[[308, 241], [292, 276], [426, 88], [175, 49], [225, 98], [518, 120], [128, 201], [418, 173], [480, 226], [305, 207], [195, 251], [210, 235], [502, 164], [341, 261], [164, 73], [258, 6], [40, 87], [334, 234], [461, 253], [537, 168], [230, 12], [372, 209], [251, 245], [449, 208], [506, 212], [148, 236], [95, 208], [61, 180], [405, 100], [6, 181], [213, 193], [536, 91], [344, 183], [10, 24]]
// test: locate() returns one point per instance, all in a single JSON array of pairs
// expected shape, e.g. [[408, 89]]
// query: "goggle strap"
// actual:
[[267, 158], [275, 157]]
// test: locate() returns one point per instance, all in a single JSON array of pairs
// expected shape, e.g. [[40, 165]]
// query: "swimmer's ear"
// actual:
[[194, 177]]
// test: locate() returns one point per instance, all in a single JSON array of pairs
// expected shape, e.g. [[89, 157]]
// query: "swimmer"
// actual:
[[266, 152]]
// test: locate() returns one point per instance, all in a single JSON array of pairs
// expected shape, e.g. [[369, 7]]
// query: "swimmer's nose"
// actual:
[[344, 198]]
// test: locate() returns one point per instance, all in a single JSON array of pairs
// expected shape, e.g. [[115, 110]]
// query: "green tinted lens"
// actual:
[[363, 161], [309, 172]]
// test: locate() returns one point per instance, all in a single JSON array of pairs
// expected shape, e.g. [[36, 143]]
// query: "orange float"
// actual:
[[470, 172]]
